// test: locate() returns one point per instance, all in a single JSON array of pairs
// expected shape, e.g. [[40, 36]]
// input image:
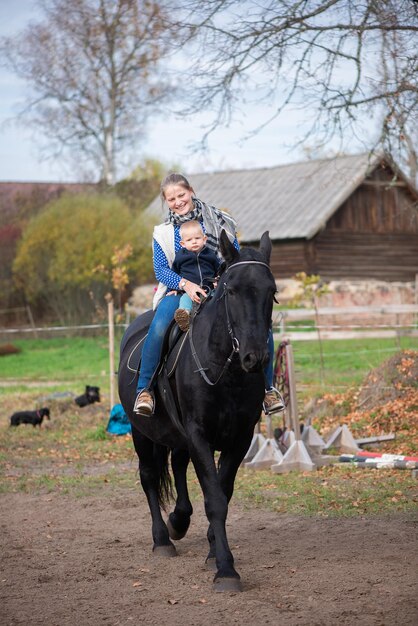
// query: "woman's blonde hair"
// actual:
[[190, 225]]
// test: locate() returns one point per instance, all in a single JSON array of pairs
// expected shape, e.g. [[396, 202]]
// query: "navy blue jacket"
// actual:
[[199, 268]]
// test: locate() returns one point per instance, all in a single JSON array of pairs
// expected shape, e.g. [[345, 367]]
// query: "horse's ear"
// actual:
[[265, 246], [229, 253]]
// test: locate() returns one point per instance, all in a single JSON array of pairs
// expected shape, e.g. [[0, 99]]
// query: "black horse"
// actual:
[[218, 390]]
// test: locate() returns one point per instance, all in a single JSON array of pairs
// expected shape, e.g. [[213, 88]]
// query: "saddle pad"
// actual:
[[135, 336], [134, 358], [174, 353], [138, 331]]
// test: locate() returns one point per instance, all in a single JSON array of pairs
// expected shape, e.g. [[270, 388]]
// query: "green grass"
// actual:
[[62, 360], [346, 362], [60, 364], [331, 491], [72, 454], [57, 358]]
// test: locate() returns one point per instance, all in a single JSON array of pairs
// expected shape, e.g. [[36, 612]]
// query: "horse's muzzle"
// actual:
[[255, 361]]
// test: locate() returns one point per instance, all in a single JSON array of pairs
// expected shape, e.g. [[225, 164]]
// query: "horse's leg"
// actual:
[[179, 520], [216, 507], [150, 480], [229, 463]]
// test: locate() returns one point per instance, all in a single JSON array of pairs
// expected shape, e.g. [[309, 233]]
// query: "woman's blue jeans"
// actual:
[[268, 370], [154, 342]]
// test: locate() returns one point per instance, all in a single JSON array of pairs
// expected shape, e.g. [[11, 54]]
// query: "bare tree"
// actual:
[[339, 61], [93, 69]]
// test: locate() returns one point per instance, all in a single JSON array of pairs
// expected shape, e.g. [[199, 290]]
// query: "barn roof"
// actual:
[[290, 201]]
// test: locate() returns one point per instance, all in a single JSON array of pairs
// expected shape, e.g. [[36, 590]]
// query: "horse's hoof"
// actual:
[[164, 551], [210, 563], [175, 534], [227, 584]]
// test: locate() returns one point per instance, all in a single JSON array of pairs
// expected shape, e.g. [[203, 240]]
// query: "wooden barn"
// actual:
[[349, 217]]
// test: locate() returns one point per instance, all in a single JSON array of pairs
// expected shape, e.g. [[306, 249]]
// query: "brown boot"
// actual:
[[144, 404], [273, 402], [182, 317]]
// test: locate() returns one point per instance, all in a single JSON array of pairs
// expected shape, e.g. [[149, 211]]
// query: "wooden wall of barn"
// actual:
[[373, 235]]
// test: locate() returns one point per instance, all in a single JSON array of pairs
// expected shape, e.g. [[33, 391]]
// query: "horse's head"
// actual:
[[248, 287]]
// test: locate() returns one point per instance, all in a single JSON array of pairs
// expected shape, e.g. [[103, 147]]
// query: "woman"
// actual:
[[183, 206]]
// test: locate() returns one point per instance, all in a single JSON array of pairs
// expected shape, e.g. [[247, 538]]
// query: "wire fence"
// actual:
[[315, 350]]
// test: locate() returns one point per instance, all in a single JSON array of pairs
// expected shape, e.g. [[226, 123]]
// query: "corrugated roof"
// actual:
[[290, 201]]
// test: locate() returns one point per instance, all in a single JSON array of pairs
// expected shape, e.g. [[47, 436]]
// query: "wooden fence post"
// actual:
[[31, 320], [111, 321], [297, 456], [292, 392]]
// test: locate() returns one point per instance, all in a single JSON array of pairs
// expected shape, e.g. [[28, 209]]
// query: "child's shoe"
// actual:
[[182, 317], [273, 402], [144, 404]]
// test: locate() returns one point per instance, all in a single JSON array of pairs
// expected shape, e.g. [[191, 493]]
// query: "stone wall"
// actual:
[[359, 293], [354, 293], [341, 294]]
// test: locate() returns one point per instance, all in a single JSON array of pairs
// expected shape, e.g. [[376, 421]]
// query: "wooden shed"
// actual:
[[349, 217]]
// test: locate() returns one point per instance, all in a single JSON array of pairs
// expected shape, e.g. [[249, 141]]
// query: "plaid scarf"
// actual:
[[213, 219]]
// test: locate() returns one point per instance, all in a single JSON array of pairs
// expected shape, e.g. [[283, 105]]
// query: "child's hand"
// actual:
[[171, 293]]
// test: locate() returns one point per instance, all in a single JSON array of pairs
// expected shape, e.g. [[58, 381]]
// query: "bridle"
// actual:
[[234, 340]]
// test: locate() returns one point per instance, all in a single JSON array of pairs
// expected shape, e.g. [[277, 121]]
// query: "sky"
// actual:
[[168, 139]]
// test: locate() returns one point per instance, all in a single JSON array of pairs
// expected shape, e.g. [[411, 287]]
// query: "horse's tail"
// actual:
[[165, 485]]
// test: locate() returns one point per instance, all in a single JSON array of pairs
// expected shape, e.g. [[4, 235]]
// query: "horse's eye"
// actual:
[[231, 292]]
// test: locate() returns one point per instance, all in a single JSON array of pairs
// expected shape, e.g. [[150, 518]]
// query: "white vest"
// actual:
[[164, 236]]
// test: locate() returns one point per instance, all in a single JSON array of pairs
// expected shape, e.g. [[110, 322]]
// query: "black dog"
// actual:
[[91, 396], [29, 417]]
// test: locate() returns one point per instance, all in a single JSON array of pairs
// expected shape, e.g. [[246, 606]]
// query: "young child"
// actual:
[[195, 262]]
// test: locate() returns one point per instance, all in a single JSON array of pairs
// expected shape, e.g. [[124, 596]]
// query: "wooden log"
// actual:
[[377, 439]]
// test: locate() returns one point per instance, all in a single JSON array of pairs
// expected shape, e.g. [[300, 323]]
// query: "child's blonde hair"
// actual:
[[190, 225]]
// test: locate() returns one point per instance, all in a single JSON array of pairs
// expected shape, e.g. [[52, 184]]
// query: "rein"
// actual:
[[234, 340]]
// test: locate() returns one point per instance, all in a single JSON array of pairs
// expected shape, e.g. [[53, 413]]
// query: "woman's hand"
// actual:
[[194, 290]]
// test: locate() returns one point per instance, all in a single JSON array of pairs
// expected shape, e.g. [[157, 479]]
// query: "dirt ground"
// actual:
[[88, 561]]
